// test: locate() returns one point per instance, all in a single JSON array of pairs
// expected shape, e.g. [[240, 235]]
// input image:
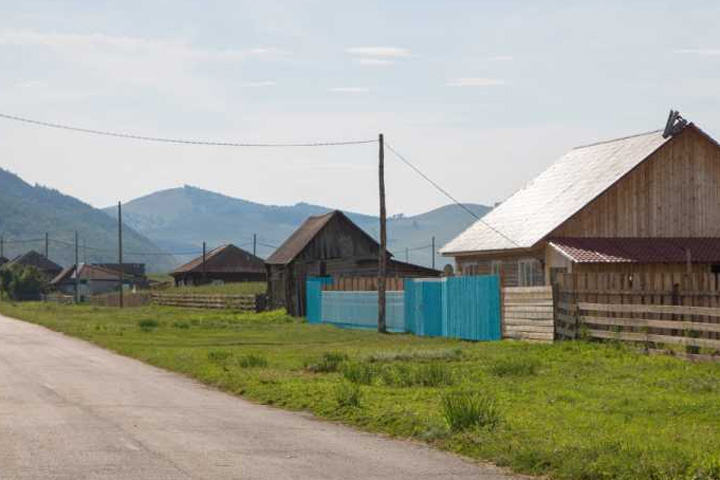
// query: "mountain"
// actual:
[[180, 219], [27, 212]]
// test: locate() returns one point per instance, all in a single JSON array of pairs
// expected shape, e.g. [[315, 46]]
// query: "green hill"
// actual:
[[180, 219], [27, 212]]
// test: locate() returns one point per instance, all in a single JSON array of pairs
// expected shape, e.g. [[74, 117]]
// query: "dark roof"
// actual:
[[135, 269], [396, 267], [88, 272], [37, 260], [296, 243], [224, 259], [638, 250], [3, 260]]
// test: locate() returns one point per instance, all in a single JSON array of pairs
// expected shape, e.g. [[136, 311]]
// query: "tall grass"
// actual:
[[465, 410], [348, 395], [327, 363]]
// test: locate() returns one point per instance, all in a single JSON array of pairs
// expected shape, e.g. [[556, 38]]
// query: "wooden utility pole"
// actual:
[[407, 254], [204, 270], [433, 253], [255, 244], [120, 257], [382, 258], [2, 245], [47, 245], [77, 270]]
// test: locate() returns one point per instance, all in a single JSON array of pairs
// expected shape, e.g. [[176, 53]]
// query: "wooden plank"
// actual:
[[650, 323], [650, 337], [662, 309]]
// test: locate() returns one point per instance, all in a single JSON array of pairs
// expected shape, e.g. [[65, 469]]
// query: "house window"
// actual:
[[525, 273], [470, 269], [496, 267]]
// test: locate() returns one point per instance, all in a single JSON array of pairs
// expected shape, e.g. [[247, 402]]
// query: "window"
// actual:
[[525, 273], [470, 269], [496, 267]]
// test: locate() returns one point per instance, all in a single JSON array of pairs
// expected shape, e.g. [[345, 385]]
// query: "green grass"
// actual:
[[241, 288], [572, 410]]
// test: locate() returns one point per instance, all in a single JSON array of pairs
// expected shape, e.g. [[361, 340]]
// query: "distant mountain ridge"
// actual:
[[180, 219], [27, 212]]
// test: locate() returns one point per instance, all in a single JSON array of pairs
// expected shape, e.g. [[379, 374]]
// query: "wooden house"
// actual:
[[224, 264], [327, 245], [648, 202], [34, 259], [93, 280]]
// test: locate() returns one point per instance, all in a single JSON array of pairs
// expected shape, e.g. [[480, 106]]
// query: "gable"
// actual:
[[339, 238], [674, 193], [555, 195]]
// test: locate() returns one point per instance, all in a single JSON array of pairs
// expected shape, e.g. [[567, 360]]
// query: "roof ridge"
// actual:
[[603, 142]]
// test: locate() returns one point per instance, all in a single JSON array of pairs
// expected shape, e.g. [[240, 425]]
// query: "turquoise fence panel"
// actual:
[[314, 298], [472, 308], [360, 310], [424, 307]]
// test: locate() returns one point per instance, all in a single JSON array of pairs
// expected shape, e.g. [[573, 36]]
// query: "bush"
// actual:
[[465, 410], [361, 373], [148, 324], [253, 361], [348, 395], [329, 362], [516, 367], [21, 282]]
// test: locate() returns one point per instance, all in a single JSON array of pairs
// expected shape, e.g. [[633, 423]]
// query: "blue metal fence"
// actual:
[[456, 307]]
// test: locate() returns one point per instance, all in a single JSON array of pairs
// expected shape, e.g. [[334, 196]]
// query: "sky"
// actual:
[[479, 95]]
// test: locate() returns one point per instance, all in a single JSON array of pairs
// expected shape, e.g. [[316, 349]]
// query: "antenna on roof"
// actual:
[[675, 123]]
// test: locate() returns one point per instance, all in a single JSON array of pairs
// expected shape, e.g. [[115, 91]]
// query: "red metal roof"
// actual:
[[638, 250]]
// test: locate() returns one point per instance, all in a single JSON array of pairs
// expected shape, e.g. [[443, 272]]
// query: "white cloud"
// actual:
[[703, 52], [475, 82], [260, 84], [379, 52], [350, 89], [375, 62]]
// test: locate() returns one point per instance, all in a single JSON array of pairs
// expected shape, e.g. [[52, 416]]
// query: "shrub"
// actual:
[[253, 361], [465, 410], [329, 362], [348, 395], [361, 373], [521, 366], [148, 324]]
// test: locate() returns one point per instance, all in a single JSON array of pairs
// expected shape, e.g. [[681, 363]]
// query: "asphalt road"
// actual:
[[71, 410]]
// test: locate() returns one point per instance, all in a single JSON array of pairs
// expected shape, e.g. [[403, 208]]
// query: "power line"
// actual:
[[147, 138], [447, 194]]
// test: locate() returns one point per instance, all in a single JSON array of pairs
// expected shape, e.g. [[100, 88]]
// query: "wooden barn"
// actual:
[[327, 245], [34, 259], [648, 202], [224, 264]]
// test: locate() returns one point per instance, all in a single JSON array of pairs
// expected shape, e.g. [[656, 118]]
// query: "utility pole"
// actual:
[[84, 251], [77, 270], [204, 270], [47, 245], [2, 245], [433, 253], [120, 256], [407, 254], [255, 244], [382, 258]]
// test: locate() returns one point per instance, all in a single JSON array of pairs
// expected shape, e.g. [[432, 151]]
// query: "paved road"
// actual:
[[70, 410]]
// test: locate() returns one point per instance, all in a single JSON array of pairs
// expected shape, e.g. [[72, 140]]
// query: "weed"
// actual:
[[708, 469], [360, 372], [219, 357], [148, 324], [348, 394], [465, 410], [182, 324], [253, 361], [449, 354], [424, 375], [329, 362], [518, 366]]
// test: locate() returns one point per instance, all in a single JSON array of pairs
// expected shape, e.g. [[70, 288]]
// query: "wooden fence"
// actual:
[[664, 312], [113, 300], [363, 284], [248, 303], [527, 313]]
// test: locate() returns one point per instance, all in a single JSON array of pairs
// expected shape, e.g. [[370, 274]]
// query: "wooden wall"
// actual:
[[509, 266], [528, 313], [675, 193]]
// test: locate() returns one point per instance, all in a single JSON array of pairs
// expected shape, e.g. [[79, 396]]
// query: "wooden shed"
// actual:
[[648, 202], [224, 264], [327, 245]]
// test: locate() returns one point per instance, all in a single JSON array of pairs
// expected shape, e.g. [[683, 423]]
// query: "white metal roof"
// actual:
[[555, 195]]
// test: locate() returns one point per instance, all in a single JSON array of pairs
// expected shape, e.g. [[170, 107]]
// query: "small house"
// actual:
[[643, 203], [327, 245], [34, 259], [224, 264], [91, 280]]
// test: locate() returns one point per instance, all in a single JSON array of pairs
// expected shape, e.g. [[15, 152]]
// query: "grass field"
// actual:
[[571, 410]]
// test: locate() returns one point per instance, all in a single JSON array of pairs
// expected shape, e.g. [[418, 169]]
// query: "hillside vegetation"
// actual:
[[27, 212], [571, 410]]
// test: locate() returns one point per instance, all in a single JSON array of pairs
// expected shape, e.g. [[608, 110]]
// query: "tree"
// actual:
[[22, 282]]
